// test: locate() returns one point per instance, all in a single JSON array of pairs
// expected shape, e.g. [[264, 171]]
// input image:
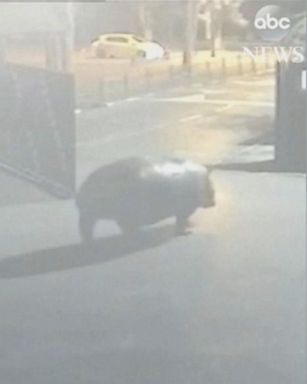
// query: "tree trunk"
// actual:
[[145, 21], [190, 31]]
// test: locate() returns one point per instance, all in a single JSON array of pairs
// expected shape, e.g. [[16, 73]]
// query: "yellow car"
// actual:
[[126, 46]]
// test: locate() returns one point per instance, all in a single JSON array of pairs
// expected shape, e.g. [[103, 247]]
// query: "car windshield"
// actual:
[[153, 196], [117, 39], [139, 39]]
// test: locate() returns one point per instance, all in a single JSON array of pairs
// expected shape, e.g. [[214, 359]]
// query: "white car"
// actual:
[[126, 46]]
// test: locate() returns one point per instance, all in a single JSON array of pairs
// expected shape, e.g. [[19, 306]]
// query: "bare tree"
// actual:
[[144, 18], [190, 31]]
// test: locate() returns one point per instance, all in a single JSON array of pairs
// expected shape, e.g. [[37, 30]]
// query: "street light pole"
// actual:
[[189, 32], [213, 29], [68, 37]]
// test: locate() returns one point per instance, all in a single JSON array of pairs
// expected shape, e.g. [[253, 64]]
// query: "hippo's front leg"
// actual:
[[87, 224], [182, 225]]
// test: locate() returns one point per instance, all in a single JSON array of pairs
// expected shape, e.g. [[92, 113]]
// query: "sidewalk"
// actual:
[[98, 81], [15, 191]]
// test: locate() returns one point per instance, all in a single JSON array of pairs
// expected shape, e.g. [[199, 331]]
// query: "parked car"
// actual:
[[126, 46]]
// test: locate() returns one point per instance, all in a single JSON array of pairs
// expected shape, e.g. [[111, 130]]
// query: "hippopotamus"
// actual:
[[138, 192]]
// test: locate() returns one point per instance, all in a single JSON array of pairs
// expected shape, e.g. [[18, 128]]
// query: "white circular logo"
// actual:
[[272, 23]]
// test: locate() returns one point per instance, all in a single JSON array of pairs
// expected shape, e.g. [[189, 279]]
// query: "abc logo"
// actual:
[[272, 23]]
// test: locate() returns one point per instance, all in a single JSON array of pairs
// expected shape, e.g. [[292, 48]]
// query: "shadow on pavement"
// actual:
[[180, 368], [80, 255]]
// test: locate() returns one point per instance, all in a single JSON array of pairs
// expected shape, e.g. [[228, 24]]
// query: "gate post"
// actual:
[[290, 119]]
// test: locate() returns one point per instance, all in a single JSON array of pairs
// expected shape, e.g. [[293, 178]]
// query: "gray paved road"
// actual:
[[224, 305], [205, 123]]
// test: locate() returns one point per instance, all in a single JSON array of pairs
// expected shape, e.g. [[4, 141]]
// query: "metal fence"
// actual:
[[94, 88], [37, 128]]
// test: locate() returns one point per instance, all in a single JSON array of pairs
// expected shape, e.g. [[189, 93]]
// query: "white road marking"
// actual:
[[216, 91], [190, 118], [265, 72], [225, 108], [198, 99], [237, 154], [122, 101], [255, 83], [250, 153], [131, 99]]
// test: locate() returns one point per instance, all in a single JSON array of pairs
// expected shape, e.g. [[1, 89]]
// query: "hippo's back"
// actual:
[[109, 182]]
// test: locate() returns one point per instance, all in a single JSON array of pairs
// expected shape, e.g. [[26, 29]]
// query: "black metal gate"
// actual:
[[37, 127]]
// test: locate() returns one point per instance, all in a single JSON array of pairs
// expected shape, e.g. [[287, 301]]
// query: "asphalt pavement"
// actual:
[[225, 304], [209, 122]]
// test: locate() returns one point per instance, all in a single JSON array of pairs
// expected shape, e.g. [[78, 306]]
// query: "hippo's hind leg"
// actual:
[[128, 226], [182, 225], [87, 223]]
